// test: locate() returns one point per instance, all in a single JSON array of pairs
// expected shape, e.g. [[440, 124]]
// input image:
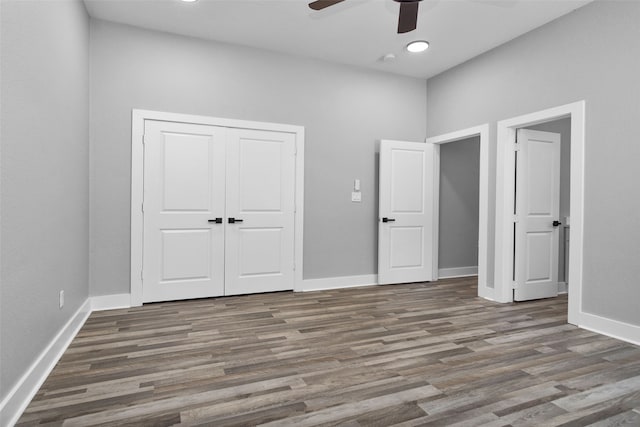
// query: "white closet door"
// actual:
[[260, 211], [184, 188]]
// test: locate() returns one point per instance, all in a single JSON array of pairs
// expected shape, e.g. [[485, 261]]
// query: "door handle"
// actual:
[[234, 220], [217, 220], [556, 223], [385, 219]]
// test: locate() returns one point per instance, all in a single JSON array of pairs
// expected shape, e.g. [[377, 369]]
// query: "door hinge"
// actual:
[[141, 275], [515, 219], [144, 139], [142, 206]]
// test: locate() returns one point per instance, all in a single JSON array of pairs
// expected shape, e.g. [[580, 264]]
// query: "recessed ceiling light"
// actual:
[[418, 46], [189, 1]]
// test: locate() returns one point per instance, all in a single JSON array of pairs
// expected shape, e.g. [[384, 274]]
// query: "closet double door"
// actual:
[[218, 211]]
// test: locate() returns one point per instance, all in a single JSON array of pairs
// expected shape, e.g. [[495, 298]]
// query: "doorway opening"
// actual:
[[458, 208], [506, 199], [481, 134]]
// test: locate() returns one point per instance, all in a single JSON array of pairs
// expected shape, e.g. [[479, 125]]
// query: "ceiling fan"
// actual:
[[407, 20]]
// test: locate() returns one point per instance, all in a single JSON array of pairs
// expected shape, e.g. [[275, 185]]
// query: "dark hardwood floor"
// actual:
[[417, 354]]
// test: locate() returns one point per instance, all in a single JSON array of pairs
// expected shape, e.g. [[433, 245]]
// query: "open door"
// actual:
[[405, 227], [537, 211]]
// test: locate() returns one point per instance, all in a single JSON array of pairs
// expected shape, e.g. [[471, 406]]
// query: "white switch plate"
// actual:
[[356, 185], [356, 196], [61, 299]]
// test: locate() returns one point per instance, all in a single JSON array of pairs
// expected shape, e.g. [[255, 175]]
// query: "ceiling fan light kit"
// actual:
[[407, 19]]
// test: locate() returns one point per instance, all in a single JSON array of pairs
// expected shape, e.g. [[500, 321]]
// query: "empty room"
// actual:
[[332, 212]]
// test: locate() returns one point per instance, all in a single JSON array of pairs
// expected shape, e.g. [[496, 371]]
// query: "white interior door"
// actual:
[[184, 190], [537, 211], [260, 211], [405, 228]]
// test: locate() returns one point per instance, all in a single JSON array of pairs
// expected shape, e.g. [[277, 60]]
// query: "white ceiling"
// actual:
[[356, 32]]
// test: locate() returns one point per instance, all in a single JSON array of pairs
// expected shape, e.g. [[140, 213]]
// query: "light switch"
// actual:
[[356, 185], [356, 196]]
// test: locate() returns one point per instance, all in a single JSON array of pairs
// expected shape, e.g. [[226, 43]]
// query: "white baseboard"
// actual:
[[612, 328], [448, 273], [14, 404], [110, 302], [339, 282], [562, 287]]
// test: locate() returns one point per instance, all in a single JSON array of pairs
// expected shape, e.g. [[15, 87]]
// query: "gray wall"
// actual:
[[344, 111], [563, 127], [459, 198], [44, 175], [591, 54]]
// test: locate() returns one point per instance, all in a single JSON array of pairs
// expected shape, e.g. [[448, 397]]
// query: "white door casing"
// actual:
[[537, 207], [184, 172], [405, 223], [260, 194]]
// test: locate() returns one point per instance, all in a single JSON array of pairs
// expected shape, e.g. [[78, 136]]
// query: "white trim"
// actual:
[[299, 210], [562, 287], [435, 218], [505, 199], [137, 184], [17, 400], [328, 283], [484, 289], [449, 273], [612, 328], [110, 302]]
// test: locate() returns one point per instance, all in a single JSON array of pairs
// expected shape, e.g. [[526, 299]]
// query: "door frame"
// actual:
[[138, 118], [484, 290], [505, 164]]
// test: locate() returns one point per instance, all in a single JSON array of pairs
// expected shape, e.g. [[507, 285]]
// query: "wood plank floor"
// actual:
[[418, 354]]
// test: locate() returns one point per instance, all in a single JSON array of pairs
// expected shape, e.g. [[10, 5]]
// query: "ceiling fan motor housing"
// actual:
[[407, 20]]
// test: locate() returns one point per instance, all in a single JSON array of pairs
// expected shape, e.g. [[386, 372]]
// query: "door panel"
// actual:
[[184, 176], [539, 268], [260, 251], [406, 201], [537, 207], [186, 254], [261, 193], [407, 181], [407, 247], [260, 175]]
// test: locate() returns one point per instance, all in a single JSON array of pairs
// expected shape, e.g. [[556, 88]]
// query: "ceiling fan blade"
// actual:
[[408, 19], [321, 4]]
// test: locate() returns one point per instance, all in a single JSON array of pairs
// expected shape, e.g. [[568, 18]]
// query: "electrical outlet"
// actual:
[[356, 196], [61, 299]]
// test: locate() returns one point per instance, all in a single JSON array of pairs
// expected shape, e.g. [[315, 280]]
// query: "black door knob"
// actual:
[[217, 220], [385, 219], [556, 223], [234, 220]]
